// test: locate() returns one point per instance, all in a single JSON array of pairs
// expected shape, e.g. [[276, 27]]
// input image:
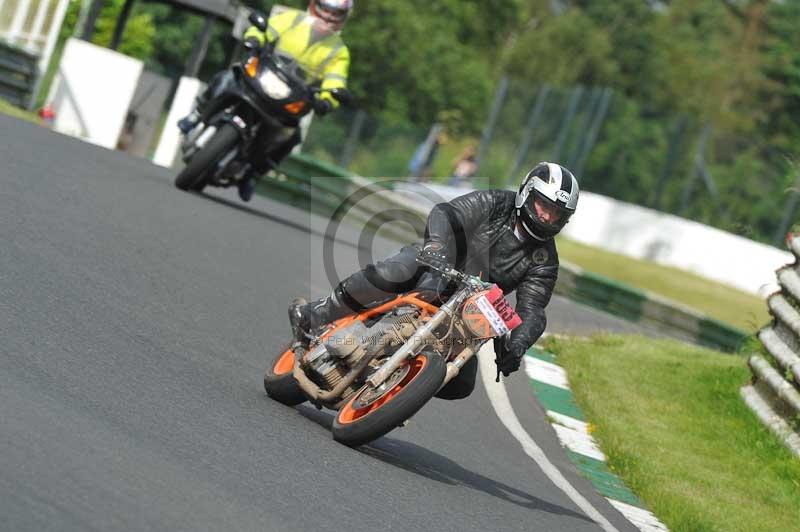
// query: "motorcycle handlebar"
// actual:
[[450, 273]]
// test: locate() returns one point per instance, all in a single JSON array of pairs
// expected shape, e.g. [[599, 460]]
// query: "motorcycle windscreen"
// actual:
[[488, 314]]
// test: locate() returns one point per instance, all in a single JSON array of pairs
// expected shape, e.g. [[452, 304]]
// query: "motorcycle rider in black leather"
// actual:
[[506, 238]]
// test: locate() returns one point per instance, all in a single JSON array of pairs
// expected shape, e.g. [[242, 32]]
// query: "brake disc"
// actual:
[[370, 395]]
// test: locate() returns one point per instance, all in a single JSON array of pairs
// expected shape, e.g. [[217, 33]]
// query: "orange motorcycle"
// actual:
[[378, 368]]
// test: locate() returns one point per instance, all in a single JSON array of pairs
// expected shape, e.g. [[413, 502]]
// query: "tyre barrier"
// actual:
[[18, 73], [774, 394], [330, 190]]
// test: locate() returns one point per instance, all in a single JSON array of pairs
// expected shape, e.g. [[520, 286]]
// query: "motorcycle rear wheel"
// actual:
[[279, 383], [195, 174], [362, 420]]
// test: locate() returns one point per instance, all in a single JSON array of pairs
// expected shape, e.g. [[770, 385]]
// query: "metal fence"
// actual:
[[399, 212], [18, 75], [617, 146], [774, 394]]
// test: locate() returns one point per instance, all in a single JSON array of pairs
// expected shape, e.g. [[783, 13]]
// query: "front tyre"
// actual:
[[279, 382], [370, 414], [196, 173]]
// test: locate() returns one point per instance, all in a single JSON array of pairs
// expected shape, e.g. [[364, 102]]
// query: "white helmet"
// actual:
[[333, 12], [546, 199]]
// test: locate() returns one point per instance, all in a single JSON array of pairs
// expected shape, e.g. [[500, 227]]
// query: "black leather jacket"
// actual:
[[477, 232]]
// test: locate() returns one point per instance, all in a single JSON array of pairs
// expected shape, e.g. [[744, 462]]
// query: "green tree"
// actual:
[[139, 32]]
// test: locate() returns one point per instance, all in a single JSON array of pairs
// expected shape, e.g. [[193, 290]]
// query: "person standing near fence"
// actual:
[[425, 154], [465, 166]]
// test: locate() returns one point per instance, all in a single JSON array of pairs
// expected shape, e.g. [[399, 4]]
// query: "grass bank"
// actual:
[[720, 301], [672, 424], [8, 109]]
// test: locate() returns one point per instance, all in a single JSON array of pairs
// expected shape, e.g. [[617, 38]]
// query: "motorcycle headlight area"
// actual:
[[274, 86]]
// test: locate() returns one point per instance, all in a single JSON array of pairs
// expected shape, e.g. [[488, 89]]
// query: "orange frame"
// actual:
[[407, 299]]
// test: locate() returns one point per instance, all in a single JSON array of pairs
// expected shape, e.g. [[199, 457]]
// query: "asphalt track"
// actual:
[[134, 322]]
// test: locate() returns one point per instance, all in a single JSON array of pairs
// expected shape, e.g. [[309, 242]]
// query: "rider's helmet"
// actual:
[[546, 199], [333, 13]]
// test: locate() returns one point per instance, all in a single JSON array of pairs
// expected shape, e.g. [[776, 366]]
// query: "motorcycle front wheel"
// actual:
[[370, 414], [279, 382], [196, 173]]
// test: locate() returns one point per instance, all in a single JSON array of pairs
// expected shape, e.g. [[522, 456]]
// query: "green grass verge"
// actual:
[[672, 424], [717, 300], [11, 110]]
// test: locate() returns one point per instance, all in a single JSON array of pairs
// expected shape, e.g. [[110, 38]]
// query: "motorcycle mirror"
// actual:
[[343, 96], [258, 20]]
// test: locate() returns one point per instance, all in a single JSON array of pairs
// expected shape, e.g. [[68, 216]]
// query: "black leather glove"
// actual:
[[508, 357], [433, 254], [322, 106]]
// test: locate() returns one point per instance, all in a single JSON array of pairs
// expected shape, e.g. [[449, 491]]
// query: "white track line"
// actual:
[[502, 407]]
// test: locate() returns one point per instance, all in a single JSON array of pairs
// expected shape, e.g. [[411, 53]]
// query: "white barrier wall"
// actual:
[[643, 233], [92, 92], [669, 240], [182, 105]]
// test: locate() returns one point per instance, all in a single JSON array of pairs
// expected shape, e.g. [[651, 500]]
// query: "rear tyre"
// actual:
[[196, 173], [279, 382], [367, 416]]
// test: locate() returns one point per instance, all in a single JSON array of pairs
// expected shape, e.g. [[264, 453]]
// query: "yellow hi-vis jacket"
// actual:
[[325, 58]]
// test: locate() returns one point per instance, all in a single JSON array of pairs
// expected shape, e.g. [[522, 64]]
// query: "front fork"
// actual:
[[419, 338]]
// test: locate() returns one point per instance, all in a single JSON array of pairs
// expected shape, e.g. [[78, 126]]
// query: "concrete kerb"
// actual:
[[550, 384]]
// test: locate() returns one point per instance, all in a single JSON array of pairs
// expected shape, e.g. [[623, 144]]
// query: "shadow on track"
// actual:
[[278, 219], [424, 462]]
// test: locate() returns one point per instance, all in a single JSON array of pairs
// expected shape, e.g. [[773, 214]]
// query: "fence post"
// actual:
[[200, 48], [488, 129], [49, 45], [593, 95], [352, 139], [527, 138], [572, 108], [697, 168], [669, 164], [594, 131], [91, 20], [122, 21]]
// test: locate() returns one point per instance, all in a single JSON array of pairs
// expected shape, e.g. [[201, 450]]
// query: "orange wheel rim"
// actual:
[[285, 363], [349, 414]]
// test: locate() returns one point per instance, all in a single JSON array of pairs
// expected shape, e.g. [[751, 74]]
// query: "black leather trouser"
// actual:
[[398, 274]]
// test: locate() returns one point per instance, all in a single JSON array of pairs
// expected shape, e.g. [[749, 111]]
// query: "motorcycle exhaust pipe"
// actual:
[[454, 367], [316, 394]]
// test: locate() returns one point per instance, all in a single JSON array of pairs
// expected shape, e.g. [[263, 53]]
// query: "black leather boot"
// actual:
[[304, 317]]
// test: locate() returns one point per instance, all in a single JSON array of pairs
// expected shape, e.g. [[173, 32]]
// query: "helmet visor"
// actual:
[[546, 213], [330, 13]]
